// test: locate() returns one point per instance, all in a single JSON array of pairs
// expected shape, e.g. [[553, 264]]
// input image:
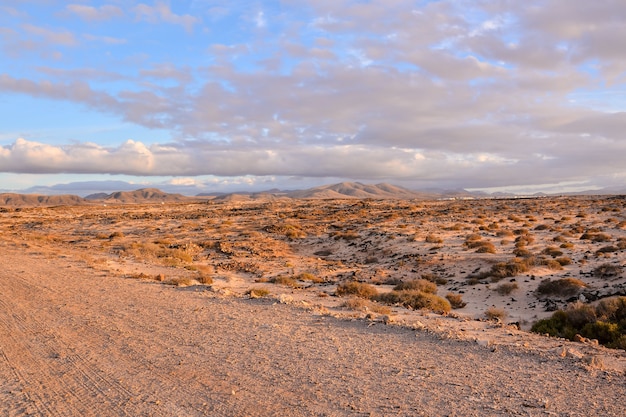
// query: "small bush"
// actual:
[[551, 251], [507, 288], [494, 313], [605, 323], [306, 276], [433, 239], [564, 287], [285, 280], [204, 279], [258, 292], [455, 300], [417, 284], [595, 237], [606, 271], [607, 249], [564, 260], [358, 289], [416, 300], [434, 278]]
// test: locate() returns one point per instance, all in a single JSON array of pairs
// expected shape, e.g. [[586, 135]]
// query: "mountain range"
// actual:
[[344, 190]]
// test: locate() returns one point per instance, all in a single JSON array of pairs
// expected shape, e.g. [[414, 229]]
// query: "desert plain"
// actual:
[[285, 307]]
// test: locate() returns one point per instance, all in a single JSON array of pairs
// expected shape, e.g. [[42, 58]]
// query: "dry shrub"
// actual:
[[564, 287], [416, 300], [606, 271], [567, 245], [360, 304], [552, 251], [181, 281], [347, 235], [486, 247], [522, 253], [417, 284], [284, 280], [494, 313], [607, 249], [596, 237], [455, 300], [307, 276], [428, 276], [508, 269], [359, 289], [507, 288], [258, 292], [551, 264], [355, 303], [204, 279], [433, 239], [564, 260], [504, 233]]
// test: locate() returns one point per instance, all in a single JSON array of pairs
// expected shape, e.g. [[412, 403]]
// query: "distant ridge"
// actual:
[[143, 195], [355, 190], [36, 200]]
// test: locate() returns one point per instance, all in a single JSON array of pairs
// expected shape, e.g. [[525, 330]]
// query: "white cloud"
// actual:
[[161, 12], [350, 89], [91, 13]]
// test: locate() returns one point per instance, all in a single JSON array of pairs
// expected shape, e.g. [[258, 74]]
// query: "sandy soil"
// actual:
[[87, 328]]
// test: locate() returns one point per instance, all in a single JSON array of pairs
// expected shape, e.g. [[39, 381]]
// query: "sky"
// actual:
[[207, 95]]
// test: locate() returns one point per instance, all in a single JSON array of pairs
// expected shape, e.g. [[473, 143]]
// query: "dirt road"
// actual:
[[76, 342]]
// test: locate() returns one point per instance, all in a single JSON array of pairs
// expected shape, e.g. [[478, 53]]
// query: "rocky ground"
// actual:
[[152, 309]]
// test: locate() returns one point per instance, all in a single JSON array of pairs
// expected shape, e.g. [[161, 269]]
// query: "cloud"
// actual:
[[161, 12], [109, 40], [49, 36], [340, 161], [168, 71], [487, 93], [91, 13]]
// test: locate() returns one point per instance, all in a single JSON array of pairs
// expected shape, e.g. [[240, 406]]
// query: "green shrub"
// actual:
[[606, 322]]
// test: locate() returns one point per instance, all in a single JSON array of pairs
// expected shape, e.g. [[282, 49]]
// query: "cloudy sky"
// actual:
[[255, 94]]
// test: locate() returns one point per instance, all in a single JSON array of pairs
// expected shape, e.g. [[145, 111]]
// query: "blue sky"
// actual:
[[209, 95]]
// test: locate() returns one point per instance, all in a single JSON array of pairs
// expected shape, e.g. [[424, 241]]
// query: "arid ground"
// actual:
[[242, 308]]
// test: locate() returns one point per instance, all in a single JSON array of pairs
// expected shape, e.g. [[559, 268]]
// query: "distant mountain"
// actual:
[[143, 195], [355, 190], [82, 188], [35, 200]]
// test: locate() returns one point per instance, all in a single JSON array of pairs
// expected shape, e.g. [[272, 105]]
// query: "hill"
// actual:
[[36, 200], [355, 190], [143, 195]]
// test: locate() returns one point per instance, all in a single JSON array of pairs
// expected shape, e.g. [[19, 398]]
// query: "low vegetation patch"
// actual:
[[605, 322], [455, 300], [563, 287], [495, 313], [258, 292], [416, 300], [417, 284], [607, 271], [507, 288], [359, 289]]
